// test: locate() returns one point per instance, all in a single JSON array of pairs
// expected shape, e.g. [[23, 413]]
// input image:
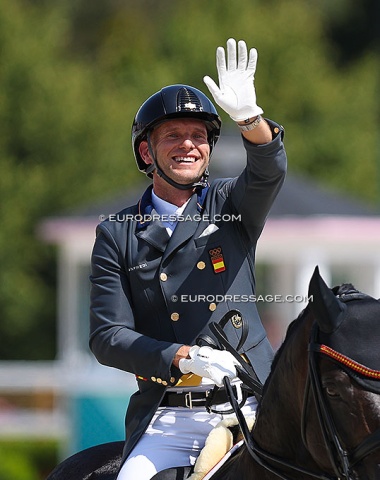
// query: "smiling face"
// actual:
[[181, 149]]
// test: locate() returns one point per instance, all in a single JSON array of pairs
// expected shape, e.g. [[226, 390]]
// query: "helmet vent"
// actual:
[[187, 101]]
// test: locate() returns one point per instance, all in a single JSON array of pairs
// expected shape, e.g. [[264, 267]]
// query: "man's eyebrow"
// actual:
[[175, 128]]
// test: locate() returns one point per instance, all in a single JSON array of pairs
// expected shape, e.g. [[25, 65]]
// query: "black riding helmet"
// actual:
[[174, 101]]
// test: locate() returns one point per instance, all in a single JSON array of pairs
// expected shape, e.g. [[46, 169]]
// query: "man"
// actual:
[[182, 258]]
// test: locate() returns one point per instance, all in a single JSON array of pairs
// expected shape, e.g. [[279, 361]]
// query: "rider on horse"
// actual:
[[181, 258]]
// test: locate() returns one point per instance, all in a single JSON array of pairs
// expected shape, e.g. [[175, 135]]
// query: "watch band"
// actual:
[[250, 125]]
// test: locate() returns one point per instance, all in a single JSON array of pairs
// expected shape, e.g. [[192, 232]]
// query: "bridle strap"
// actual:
[[238, 318], [338, 456], [348, 362], [259, 455], [368, 446], [245, 371], [341, 460], [247, 374]]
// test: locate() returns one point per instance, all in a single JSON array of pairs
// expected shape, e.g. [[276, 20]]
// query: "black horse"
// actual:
[[319, 416]]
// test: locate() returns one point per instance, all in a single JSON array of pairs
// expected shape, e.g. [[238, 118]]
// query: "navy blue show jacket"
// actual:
[[152, 293]]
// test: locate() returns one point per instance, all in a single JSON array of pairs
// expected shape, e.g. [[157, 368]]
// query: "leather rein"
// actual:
[[341, 460]]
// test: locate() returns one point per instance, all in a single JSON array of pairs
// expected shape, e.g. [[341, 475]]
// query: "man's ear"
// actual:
[[144, 152]]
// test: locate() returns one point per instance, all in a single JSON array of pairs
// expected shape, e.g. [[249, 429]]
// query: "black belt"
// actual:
[[195, 399]]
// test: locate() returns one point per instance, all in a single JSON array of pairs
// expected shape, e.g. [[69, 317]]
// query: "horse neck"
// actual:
[[278, 425]]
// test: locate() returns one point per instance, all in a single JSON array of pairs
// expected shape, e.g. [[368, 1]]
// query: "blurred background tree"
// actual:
[[73, 74]]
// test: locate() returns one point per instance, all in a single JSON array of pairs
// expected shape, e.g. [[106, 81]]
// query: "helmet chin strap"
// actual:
[[202, 182]]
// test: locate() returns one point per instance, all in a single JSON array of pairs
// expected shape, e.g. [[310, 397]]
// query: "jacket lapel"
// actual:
[[155, 234], [184, 229], [152, 232]]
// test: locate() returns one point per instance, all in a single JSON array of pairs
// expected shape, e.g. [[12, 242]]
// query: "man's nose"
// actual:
[[187, 143]]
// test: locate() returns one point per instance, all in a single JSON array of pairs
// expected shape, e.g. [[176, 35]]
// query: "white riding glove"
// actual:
[[236, 92], [210, 363]]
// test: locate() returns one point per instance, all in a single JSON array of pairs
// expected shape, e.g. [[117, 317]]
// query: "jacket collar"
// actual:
[[155, 233], [145, 205]]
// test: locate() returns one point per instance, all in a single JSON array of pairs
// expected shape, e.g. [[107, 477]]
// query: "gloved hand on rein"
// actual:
[[236, 92], [210, 363]]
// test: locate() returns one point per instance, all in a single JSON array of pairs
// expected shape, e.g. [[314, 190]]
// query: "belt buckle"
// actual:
[[189, 400]]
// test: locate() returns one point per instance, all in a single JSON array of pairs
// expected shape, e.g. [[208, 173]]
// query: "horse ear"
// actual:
[[327, 309]]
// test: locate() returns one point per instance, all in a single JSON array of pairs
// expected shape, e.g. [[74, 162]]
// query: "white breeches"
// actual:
[[174, 438]]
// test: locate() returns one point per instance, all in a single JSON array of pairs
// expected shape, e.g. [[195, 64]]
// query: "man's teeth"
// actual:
[[184, 159]]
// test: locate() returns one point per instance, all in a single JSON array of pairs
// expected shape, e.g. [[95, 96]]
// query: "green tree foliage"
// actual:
[[27, 460], [352, 27], [74, 73], [329, 110], [62, 142]]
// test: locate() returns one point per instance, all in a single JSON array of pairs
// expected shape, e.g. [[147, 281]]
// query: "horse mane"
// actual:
[[291, 328]]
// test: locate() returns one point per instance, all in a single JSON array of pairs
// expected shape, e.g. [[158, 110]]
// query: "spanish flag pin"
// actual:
[[217, 260]]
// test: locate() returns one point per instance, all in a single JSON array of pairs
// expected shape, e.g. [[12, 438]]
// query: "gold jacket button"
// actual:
[[164, 382], [201, 265], [174, 316], [212, 307], [154, 379], [163, 276], [159, 380], [172, 379]]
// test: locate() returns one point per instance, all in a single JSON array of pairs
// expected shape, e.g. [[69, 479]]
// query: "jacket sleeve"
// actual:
[[113, 338], [255, 190]]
